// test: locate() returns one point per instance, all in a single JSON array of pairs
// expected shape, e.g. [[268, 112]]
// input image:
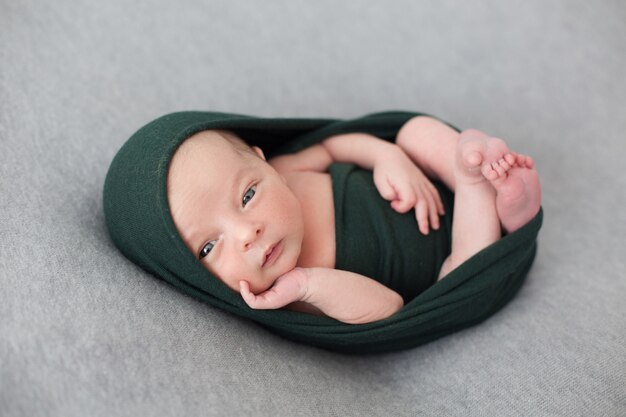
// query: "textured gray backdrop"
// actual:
[[83, 332]]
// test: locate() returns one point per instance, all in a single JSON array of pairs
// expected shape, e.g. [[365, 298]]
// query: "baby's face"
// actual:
[[230, 209]]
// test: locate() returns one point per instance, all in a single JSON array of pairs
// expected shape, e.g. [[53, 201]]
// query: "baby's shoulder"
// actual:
[[302, 182], [314, 190]]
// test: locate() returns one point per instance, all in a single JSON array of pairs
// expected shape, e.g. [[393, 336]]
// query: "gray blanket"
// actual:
[[85, 332]]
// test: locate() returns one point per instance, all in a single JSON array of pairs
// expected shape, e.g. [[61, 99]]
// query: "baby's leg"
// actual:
[[431, 144], [475, 223]]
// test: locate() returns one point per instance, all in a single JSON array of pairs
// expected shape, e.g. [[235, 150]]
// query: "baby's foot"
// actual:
[[512, 175], [482, 157], [518, 190]]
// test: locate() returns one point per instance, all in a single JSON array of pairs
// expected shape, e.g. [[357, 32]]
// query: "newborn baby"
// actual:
[[267, 228]]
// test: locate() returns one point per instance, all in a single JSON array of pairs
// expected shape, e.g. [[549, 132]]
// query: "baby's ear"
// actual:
[[259, 152]]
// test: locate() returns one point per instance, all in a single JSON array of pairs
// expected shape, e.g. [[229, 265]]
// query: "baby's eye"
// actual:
[[207, 248], [249, 194]]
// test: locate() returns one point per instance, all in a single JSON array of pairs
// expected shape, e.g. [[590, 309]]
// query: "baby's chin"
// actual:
[[268, 282], [261, 283], [257, 284]]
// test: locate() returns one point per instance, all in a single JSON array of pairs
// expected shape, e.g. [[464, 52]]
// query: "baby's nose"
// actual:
[[250, 234]]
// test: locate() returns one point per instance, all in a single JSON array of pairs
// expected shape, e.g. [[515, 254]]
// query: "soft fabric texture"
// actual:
[[139, 222], [376, 241], [85, 332]]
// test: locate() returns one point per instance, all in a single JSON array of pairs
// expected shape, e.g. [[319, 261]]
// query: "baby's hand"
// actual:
[[400, 181], [287, 289]]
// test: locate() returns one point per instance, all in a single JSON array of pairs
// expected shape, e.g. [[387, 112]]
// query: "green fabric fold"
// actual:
[[140, 224]]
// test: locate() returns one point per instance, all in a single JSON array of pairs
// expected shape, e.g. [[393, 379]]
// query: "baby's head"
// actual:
[[231, 207]]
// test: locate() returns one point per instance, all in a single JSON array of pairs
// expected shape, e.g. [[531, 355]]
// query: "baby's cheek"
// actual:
[[223, 276], [255, 279]]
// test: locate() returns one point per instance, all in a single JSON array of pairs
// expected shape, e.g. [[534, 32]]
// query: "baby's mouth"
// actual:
[[272, 253]]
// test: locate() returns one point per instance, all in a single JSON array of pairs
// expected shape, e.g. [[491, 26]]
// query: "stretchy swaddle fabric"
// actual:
[[140, 224], [376, 241]]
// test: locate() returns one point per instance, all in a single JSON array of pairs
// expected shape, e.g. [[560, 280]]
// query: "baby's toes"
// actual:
[[525, 161], [500, 166], [504, 162], [472, 158], [530, 163], [489, 172]]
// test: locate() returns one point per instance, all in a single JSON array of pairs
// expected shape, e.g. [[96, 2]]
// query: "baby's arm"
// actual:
[[397, 178], [343, 295], [361, 149]]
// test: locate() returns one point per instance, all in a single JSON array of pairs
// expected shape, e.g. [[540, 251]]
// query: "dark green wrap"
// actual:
[[139, 222]]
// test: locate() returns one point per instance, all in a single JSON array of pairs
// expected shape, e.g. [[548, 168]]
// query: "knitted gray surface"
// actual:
[[85, 332]]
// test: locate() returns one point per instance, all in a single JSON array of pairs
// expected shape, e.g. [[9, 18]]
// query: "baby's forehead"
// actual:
[[202, 149], [202, 165], [209, 140]]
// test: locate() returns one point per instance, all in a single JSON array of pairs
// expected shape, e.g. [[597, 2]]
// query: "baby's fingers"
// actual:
[[421, 213], [262, 301], [432, 210], [433, 190], [247, 295], [385, 187], [405, 201]]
